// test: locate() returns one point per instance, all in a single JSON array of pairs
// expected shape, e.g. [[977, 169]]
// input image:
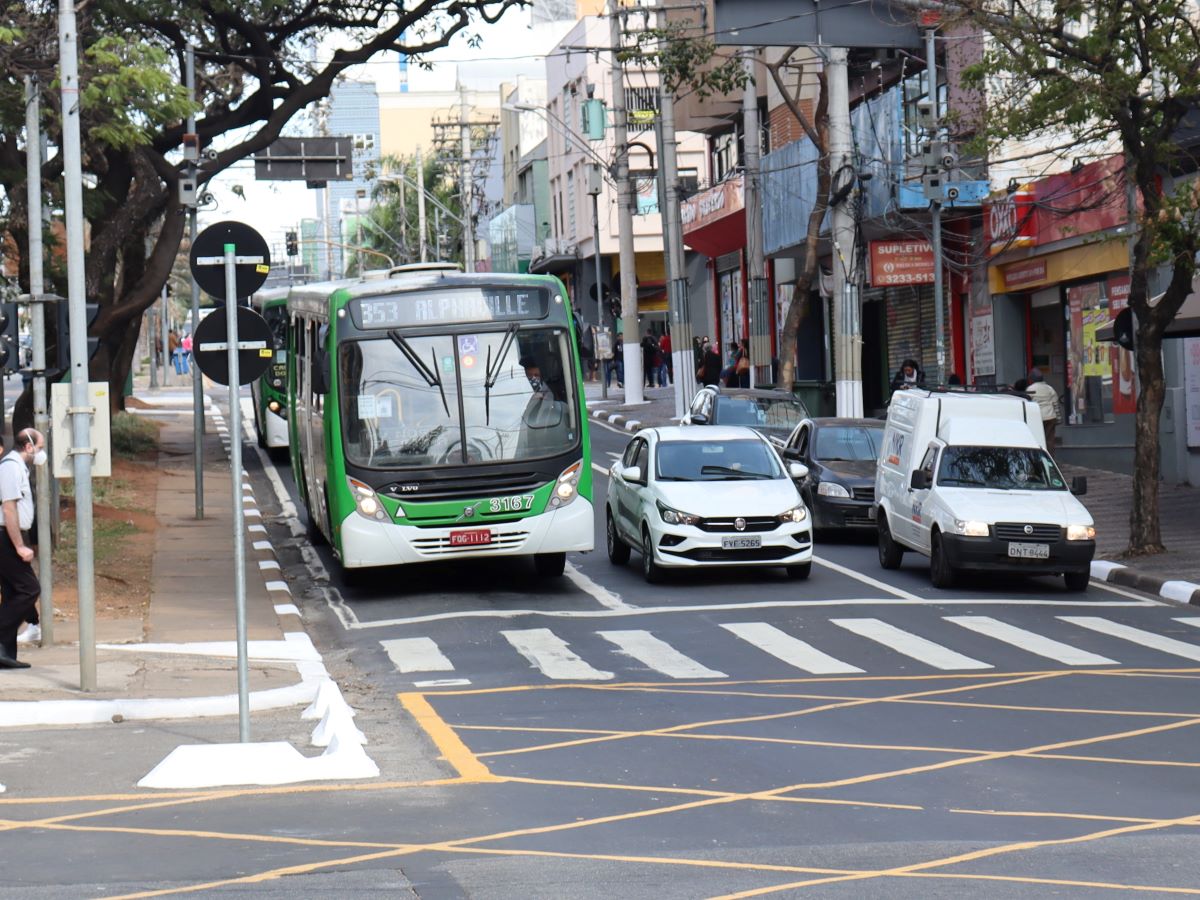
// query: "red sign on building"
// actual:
[[1026, 272], [901, 262]]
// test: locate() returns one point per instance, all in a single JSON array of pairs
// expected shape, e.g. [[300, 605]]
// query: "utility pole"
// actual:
[[80, 450], [756, 267], [939, 302], [631, 350], [421, 227], [679, 316], [164, 328], [466, 186], [37, 290], [595, 186], [197, 381], [847, 340]]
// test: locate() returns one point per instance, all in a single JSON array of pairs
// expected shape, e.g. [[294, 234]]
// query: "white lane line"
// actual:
[[550, 655], [286, 506], [602, 595], [353, 623], [865, 579], [600, 469], [909, 644], [443, 682], [1031, 642], [418, 654], [1136, 636], [791, 650], [658, 655]]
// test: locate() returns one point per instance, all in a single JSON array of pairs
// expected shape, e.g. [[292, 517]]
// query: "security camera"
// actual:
[[952, 193], [926, 115], [210, 154], [949, 161]]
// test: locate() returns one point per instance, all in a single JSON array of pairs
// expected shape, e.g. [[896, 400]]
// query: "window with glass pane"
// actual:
[[1000, 468]]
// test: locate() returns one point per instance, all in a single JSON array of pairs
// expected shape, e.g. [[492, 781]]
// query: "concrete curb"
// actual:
[[616, 419], [1127, 576]]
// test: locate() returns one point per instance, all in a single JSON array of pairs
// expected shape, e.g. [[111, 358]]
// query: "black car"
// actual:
[[841, 455], [773, 414]]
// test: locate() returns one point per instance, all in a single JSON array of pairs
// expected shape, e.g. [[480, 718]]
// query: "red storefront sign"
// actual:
[[714, 221], [1026, 272], [1008, 222], [901, 262]]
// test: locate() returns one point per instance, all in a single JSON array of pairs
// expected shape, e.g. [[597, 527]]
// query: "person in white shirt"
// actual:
[[19, 587], [1046, 398]]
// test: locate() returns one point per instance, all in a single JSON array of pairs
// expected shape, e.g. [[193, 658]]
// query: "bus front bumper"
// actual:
[[371, 543]]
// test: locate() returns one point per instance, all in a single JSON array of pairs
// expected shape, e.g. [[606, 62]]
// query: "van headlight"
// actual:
[[971, 529], [795, 515], [1081, 533], [832, 489], [674, 516], [365, 501], [567, 485]]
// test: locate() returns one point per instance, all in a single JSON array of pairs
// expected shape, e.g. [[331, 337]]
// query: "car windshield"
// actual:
[[773, 413], [1000, 468], [401, 398], [732, 460], [849, 443]]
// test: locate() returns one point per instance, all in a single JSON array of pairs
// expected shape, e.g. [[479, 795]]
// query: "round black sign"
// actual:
[[255, 345], [210, 243]]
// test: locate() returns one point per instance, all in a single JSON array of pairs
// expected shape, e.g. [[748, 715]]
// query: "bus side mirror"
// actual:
[[320, 372]]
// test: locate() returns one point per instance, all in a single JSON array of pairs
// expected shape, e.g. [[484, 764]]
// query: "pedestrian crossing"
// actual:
[[637, 653]]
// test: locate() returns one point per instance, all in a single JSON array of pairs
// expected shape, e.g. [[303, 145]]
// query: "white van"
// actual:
[[965, 479]]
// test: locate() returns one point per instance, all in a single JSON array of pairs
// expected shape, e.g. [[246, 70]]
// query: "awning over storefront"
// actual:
[[553, 264], [1185, 324], [1036, 272], [714, 221]]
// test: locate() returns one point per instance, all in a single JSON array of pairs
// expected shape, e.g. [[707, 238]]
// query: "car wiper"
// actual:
[[429, 374], [969, 481], [735, 473], [492, 373]]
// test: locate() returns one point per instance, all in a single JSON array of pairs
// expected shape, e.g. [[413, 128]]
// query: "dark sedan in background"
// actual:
[[773, 414], [841, 455]]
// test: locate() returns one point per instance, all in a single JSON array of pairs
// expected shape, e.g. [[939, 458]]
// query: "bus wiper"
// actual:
[[492, 374], [429, 374]]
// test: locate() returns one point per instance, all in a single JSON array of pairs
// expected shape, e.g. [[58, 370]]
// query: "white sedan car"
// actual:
[[716, 496]]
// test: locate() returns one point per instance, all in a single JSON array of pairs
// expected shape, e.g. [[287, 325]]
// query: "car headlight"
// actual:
[[795, 515], [1081, 533], [971, 529], [365, 500], [567, 485], [832, 489], [674, 516]]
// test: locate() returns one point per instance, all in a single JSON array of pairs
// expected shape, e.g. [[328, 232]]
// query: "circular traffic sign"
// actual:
[[210, 244], [210, 345]]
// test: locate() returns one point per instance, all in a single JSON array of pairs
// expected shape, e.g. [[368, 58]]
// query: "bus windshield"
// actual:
[[444, 400]]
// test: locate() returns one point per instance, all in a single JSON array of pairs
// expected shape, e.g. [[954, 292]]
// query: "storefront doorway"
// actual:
[[1049, 338]]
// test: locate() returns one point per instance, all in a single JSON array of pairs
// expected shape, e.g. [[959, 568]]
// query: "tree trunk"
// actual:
[[1145, 537]]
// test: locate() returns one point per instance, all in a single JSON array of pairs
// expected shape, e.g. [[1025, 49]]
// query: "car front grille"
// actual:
[[726, 526], [864, 493], [439, 546], [1015, 531], [856, 520], [756, 554]]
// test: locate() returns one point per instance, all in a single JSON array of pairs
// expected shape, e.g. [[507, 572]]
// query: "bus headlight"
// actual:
[[567, 485], [274, 406], [1081, 533], [365, 501]]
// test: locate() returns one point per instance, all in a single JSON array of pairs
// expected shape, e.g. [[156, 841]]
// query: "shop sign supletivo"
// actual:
[[902, 262]]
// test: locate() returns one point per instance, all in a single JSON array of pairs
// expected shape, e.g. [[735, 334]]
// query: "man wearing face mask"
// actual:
[[18, 585]]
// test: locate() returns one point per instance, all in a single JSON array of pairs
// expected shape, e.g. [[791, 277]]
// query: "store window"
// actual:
[[733, 317], [1090, 362]]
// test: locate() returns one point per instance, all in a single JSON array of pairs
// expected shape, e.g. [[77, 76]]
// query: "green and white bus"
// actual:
[[270, 390], [437, 415]]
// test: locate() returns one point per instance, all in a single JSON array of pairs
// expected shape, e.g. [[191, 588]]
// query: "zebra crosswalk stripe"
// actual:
[[1031, 642], [550, 654], [791, 650], [658, 655], [910, 645], [419, 654], [1136, 636]]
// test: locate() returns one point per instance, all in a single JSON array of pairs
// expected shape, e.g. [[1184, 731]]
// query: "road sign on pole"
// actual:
[[252, 259], [254, 348]]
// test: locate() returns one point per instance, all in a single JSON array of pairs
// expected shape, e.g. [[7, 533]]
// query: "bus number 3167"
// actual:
[[522, 503]]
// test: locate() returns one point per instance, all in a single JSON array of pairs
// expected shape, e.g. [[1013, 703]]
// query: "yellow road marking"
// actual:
[[449, 744]]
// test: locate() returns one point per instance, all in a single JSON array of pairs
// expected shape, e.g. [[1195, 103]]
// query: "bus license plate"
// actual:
[[1029, 551], [470, 538], [741, 543]]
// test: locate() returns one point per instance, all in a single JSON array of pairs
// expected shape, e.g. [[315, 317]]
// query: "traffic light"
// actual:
[[64, 332], [9, 347], [293, 246]]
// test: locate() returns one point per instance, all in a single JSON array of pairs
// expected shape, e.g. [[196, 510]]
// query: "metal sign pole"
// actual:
[[239, 523]]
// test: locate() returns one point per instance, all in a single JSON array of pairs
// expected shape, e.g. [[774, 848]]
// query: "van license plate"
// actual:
[[470, 538], [1029, 551], [741, 543]]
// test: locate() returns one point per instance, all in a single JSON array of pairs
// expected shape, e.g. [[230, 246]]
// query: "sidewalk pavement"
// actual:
[[181, 662], [1173, 575]]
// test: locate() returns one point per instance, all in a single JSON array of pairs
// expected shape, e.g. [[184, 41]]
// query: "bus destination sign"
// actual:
[[453, 307]]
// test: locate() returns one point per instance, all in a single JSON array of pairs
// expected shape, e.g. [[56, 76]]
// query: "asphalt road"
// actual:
[[726, 734]]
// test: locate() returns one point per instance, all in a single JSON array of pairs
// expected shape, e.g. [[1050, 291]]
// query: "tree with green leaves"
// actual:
[[1084, 74], [259, 63]]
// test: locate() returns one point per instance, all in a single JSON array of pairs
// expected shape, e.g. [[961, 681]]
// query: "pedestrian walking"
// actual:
[[649, 352], [1046, 398], [666, 372], [741, 364], [709, 371], [19, 587]]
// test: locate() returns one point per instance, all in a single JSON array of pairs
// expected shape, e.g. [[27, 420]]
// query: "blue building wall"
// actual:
[[353, 110]]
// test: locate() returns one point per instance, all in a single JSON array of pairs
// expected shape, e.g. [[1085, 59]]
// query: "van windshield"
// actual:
[[1000, 468]]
